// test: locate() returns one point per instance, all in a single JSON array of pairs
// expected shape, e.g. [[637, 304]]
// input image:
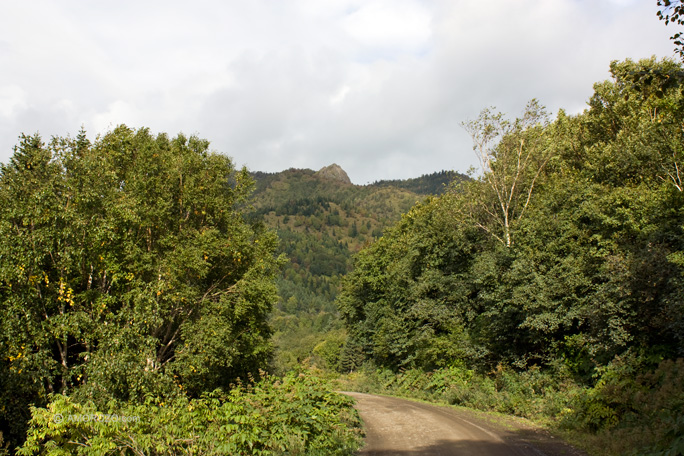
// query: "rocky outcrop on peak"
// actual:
[[333, 172]]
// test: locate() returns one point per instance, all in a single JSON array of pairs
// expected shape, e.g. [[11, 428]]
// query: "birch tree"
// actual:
[[512, 156]]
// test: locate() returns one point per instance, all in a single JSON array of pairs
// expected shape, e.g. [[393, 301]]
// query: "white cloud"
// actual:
[[340, 95], [378, 86], [117, 113], [392, 26], [12, 100]]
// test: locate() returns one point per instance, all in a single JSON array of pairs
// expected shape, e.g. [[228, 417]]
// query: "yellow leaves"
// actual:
[[65, 294], [15, 358], [566, 412]]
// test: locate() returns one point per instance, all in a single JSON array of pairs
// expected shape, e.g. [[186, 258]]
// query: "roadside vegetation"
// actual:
[[630, 408], [549, 286], [275, 416]]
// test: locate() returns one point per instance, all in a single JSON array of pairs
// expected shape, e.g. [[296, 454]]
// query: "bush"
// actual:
[[294, 416], [633, 407]]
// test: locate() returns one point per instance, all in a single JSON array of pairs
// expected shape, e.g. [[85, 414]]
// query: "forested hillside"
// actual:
[[553, 284], [322, 219]]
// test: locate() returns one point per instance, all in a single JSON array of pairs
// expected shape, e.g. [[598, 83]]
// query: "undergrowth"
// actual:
[[295, 415], [623, 412]]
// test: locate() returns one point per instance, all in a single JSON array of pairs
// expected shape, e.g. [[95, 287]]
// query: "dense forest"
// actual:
[[134, 306], [322, 219], [140, 280], [562, 261]]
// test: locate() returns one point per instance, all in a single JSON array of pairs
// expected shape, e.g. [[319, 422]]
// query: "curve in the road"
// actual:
[[401, 427]]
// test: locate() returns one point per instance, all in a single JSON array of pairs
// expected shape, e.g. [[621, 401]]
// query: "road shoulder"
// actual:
[[518, 433]]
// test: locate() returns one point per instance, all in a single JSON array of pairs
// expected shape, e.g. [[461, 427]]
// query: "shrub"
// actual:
[[294, 416]]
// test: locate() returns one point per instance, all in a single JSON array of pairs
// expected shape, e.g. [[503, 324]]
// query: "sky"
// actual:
[[380, 87]]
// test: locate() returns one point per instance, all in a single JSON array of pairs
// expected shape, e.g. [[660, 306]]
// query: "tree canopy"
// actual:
[[672, 12], [595, 269], [127, 271]]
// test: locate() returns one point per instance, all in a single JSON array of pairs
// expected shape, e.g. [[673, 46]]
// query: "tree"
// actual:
[[512, 156], [659, 87], [672, 11], [401, 301], [586, 261], [128, 271]]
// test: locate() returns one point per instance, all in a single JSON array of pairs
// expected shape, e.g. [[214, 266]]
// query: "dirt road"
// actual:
[[401, 427]]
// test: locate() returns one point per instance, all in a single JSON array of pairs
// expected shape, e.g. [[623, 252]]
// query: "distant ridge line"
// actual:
[[427, 184]]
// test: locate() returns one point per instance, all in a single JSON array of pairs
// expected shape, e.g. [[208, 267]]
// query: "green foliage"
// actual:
[[594, 268], [300, 339], [429, 184], [672, 11], [329, 351], [127, 270], [633, 408], [321, 222], [530, 394], [293, 416], [541, 280], [400, 302]]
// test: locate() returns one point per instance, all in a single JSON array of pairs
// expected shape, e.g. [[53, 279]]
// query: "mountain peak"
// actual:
[[333, 172]]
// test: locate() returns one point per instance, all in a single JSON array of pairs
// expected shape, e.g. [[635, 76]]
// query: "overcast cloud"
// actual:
[[378, 86]]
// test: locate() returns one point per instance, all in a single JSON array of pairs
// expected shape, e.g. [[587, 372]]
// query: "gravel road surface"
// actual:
[[402, 427]]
